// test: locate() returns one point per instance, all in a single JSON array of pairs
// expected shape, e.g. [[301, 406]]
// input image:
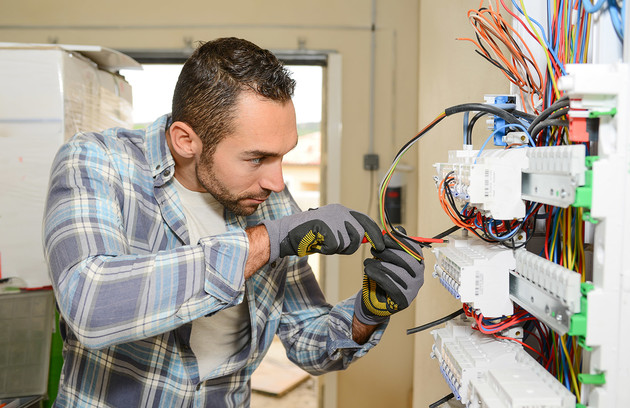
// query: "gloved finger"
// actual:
[[387, 276], [373, 232], [354, 236], [400, 258]]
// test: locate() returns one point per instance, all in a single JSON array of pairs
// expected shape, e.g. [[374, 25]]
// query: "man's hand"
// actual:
[[390, 283], [331, 229]]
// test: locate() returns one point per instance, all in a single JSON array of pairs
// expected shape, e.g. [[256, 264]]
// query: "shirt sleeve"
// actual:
[[318, 336], [106, 292]]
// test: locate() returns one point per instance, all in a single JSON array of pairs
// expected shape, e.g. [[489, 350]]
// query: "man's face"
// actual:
[[247, 165]]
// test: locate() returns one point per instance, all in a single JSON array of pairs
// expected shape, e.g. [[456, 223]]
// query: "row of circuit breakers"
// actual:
[[491, 279]]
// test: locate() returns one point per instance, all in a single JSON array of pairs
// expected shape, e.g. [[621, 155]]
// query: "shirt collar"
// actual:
[[158, 154]]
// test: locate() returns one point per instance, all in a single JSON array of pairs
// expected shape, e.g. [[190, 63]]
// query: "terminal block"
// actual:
[[553, 174], [477, 273], [523, 384], [483, 371], [545, 289], [490, 181]]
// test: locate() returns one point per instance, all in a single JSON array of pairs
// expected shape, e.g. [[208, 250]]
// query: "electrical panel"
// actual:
[[540, 269]]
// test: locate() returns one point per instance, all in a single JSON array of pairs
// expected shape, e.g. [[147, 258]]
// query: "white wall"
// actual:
[[450, 73]]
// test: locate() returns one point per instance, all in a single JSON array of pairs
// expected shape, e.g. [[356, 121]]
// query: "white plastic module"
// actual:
[[522, 384], [477, 273], [465, 354], [483, 371], [553, 174], [547, 290], [490, 181]]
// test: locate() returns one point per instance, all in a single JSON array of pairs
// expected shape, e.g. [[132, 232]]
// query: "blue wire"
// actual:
[[584, 30], [542, 31], [615, 16], [590, 8]]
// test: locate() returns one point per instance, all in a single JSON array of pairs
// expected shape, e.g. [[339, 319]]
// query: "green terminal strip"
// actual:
[[578, 320], [584, 194], [597, 114], [595, 379]]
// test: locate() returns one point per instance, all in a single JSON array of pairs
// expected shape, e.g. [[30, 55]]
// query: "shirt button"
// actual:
[[273, 264], [167, 173], [157, 167]]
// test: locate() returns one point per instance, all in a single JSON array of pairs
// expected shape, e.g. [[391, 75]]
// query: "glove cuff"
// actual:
[[273, 230], [365, 316]]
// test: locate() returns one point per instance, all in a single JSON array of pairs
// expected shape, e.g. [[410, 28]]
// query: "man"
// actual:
[[176, 253]]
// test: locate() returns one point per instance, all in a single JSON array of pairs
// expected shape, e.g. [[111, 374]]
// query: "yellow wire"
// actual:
[[569, 241], [542, 44], [570, 364], [555, 234], [588, 37]]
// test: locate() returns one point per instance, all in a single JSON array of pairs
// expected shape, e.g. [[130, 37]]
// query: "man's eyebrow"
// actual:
[[262, 153]]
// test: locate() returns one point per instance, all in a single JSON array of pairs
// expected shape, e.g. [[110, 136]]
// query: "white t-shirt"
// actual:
[[216, 338]]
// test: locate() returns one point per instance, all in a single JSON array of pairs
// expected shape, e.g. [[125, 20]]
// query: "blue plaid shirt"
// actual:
[[128, 283]]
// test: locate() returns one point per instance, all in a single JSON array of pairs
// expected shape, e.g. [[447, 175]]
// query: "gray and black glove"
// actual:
[[390, 283], [331, 229]]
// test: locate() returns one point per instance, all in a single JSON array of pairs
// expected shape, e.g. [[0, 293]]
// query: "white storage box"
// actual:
[[47, 94]]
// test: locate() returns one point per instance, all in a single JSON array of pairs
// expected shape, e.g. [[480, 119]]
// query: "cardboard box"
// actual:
[[47, 94]]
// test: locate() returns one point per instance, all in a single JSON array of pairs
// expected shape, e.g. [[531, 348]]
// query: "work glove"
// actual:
[[331, 229], [391, 281]]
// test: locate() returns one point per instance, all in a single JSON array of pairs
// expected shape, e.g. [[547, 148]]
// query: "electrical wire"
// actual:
[[435, 322], [494, 37], [442, 400]]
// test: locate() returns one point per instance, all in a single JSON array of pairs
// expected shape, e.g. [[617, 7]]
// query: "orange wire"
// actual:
[[490, 25]]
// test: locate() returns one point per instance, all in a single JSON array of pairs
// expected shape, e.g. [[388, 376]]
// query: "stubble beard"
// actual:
[[232, 202]]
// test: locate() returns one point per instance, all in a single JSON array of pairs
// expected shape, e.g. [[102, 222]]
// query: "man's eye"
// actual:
[[257, 160]]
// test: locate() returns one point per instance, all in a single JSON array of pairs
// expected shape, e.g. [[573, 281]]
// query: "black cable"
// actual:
[[435, 322], [548, 122], [524, 115], [442, 400], [447, 232], [559, 113], [559, 104], [482, 107], [471, 124]]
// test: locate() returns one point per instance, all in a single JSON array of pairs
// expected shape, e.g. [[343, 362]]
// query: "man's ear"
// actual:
[[184, 140]]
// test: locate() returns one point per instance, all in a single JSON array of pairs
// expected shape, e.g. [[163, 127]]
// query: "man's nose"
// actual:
[[273, 178]]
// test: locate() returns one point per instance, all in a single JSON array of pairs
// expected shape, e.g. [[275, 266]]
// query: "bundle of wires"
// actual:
[[495, 38], [512, 122]]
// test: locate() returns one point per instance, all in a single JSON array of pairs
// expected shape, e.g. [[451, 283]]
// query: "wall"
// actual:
[[344, 27], [450, 73]]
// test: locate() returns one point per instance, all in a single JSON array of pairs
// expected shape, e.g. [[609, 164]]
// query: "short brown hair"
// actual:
[[214, 76]]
